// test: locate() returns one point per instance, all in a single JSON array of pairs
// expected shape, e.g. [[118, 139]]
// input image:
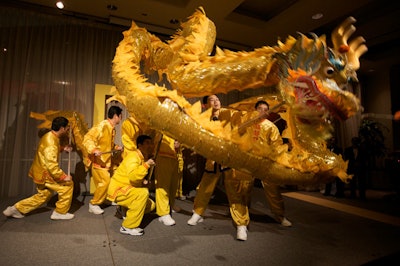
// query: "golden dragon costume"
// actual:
[[308, 77]]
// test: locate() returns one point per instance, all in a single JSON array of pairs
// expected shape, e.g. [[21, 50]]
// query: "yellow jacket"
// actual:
[[130, 130], [100, 137], [130, 173], [267, 132], [45, 167], [167, 148]]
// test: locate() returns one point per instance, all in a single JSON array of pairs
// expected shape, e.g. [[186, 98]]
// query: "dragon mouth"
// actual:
[[312, 103]]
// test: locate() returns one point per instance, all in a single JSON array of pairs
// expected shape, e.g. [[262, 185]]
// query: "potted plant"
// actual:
[[371, 134]]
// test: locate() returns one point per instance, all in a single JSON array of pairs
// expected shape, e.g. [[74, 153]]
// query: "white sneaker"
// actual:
[[95, 209], [191, 194], [11, 211], [195, 219], [167, 220], [285, 222], [131, 231], [58, 216], [241, 233], [182, 197]]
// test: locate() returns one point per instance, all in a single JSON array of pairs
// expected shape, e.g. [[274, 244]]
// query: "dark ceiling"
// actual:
[[248, 24]]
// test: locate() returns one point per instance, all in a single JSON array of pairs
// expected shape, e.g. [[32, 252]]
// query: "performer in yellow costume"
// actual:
[[179, 192], [239, 185], [99, 143], [48, 176], [166, 175], [130, 130], [128, 188], [213, 171], [268, 132]]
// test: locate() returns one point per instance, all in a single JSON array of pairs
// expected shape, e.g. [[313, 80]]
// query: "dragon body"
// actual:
[[307, 76]]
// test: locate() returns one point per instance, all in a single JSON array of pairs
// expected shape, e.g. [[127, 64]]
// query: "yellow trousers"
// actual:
[[101, 179], [44, 194], [274, 198], [166, 176], [138, 203], [238, 187], [205, 190]]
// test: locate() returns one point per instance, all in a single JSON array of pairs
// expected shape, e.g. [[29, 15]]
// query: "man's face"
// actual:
[[117, 118], [147, 147], [262, 109], [213, 102], [65, 130]]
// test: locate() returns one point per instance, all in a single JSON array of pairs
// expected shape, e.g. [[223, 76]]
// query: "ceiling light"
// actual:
[[317, 16], [60, 5], [112, 7]]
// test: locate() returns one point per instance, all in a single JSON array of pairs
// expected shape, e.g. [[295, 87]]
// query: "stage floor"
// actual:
[[326, 231]]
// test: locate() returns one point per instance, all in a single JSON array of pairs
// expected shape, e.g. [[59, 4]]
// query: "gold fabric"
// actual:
[[45, 193], [48, 176], [179, 192], [127, 190], [130, 130], [238, 187], [101, 179], [45, 167], [268, 132], [205, 190], [166, 176], [212, 174], [274, 198], [100, 137]]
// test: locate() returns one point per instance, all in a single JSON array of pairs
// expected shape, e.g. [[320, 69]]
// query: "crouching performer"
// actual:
[[48, 176], [128, 186]]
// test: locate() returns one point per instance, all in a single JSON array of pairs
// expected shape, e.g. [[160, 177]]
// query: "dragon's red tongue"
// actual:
[[311, 96]]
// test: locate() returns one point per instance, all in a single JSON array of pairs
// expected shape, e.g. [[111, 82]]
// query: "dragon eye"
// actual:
[[329, 71]]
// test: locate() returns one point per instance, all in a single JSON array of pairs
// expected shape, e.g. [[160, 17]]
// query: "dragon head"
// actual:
[[319, 78]]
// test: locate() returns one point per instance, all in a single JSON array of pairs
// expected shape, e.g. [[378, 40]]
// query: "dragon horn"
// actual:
[[355, 49]]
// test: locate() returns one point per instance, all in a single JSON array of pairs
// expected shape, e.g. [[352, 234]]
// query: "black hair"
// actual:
[[58, 123], [260, 103], [205, 99], [114, 110], [140, 139]]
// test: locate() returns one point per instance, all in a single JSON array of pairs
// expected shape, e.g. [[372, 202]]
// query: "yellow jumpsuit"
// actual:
[[127, 190], [166, 176], [238, 187], [212, 174], [266, 131], [130, 130], [100, 137], [48, 177], [179, 191], [239, 184]]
